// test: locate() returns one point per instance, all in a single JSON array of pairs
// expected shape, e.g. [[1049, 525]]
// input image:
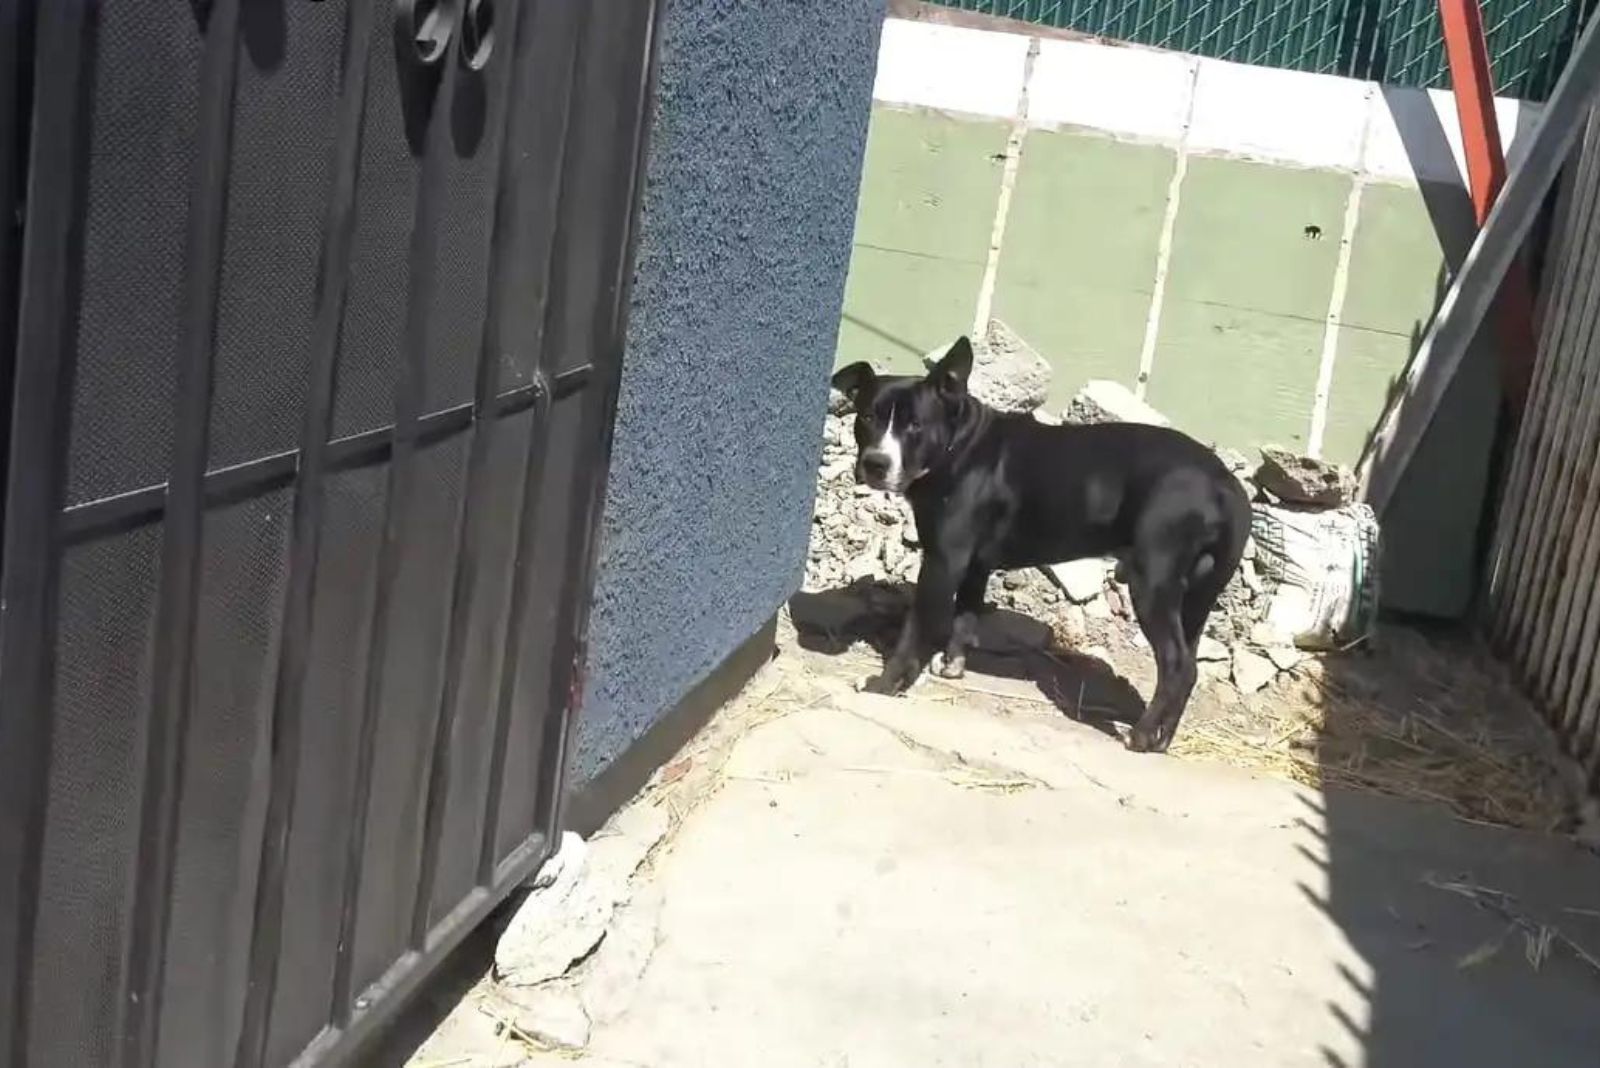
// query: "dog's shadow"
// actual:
[[1010, 645]]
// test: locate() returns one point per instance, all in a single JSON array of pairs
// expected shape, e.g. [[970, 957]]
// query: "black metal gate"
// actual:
[[318, 327]]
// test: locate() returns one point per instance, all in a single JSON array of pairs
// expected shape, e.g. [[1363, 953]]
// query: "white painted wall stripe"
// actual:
[[1331, 325], [1414, 135], [1288, 116], [1130, 92], [1002, 207], [951, 68], [1232, 109], [1169, 224]]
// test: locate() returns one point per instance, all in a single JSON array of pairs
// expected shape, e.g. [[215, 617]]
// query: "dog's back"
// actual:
[[1083, 490]]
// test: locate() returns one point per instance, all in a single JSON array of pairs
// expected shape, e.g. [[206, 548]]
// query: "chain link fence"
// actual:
[[1397, 42]]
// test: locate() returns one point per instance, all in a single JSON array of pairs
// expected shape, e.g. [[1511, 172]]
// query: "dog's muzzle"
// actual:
[[874, 469]]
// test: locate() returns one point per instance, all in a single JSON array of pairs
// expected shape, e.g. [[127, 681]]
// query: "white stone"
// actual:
[[1252, 671], [1082, 580], [1210, 650], [1284, 656], [572, 851], [562, 922], [1104, 401]]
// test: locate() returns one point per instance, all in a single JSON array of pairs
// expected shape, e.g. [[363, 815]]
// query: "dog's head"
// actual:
[[904, 424]]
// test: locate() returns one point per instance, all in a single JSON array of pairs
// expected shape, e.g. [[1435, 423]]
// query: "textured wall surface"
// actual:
[[755, 160]]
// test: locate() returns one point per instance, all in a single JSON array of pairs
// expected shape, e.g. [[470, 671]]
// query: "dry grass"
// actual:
[[1401, 746], [1538, 936]]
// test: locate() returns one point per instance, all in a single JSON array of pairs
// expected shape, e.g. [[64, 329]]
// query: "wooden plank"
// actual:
[[1473, 292], [1544, 437], [1552, 479], [1575, 215]]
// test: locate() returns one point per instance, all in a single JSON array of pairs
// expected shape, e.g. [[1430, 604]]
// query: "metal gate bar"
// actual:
[[502, 566]]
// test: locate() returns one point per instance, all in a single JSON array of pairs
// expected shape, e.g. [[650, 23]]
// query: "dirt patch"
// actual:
[[1417, 715]]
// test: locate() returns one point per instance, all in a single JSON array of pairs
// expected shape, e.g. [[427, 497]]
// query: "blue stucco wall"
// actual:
[[755, 158]]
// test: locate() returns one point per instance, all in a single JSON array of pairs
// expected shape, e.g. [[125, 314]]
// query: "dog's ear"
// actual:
[[951, 372], [855, 381]]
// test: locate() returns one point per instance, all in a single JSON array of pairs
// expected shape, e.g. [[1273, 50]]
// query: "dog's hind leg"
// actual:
[[964, 628], [1158, 587]]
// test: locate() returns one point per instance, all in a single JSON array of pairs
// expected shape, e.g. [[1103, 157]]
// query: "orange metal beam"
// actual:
[[1472, 80]]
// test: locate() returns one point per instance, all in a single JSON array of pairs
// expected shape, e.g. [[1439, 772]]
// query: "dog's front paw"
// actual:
[[947, 667], [1146, 738], [879, 684]]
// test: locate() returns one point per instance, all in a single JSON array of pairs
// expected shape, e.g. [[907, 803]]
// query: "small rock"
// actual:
[[1013, 580], [1210, 650], [1234, 460], [1104, 401], [1265, 635], [1074, 627], [1303, 480], [860, 567], [1251, 671], [1097, 609], [1007, 374], [1081, 580]]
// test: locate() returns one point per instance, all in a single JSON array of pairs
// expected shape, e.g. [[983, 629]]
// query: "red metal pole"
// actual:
[[1473, 83]]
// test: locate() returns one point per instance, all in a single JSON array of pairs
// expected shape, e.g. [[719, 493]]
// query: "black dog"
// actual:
[[992, 490]]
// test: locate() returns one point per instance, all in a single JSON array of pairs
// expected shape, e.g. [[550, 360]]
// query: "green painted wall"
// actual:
[[928, 193], [1247, 296], [1253, 258], [1079, 257]]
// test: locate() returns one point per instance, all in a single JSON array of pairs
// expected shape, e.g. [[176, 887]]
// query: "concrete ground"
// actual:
[[960, 878]]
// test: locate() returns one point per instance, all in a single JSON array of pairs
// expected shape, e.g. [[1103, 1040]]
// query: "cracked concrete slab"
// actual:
[[868, 881]]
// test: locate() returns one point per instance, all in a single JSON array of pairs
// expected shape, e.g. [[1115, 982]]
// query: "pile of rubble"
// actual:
[[867, 539]]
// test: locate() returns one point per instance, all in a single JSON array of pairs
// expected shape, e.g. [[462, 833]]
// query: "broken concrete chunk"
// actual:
[[1210, 650], [1252, 671], [1303, 480], [1007, 373], [1284, 657], [1081, 580], [611, 977], [552, 1016], [1104, 401], [564, 920], [572, 852]]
